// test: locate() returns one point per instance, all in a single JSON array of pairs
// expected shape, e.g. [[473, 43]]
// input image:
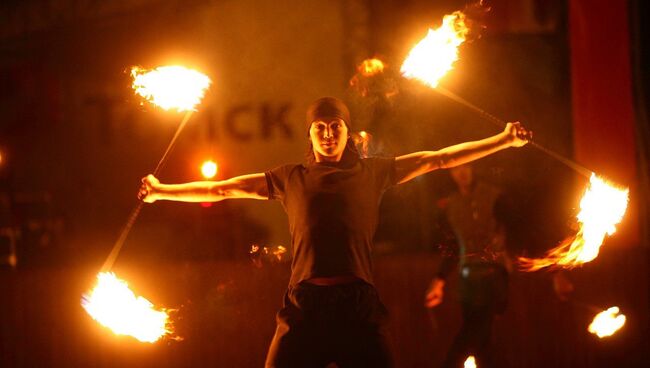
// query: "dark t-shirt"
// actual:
[[479, 235], [333, 212]]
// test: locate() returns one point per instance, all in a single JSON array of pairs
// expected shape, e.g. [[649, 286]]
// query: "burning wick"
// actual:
[[470, 362], [114, 305], [435, 55], [209, 169], [371, 80], [606, 323], [370, 67], [171, 87], [602, 207]]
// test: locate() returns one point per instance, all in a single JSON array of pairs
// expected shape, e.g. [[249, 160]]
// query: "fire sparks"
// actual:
[[370, 67], [263, 254], [470, 362], [602, 207], [435, 55], [114, 305], [606, 323], [209, 169], [171, 87]]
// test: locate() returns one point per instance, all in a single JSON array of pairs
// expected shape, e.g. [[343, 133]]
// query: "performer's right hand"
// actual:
[[435, 293], [146, 193], [517, 134]]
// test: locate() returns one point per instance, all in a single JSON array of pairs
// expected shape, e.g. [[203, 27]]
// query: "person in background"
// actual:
[[478, 250]]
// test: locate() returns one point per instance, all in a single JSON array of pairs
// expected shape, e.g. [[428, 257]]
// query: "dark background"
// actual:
[[75, 141]]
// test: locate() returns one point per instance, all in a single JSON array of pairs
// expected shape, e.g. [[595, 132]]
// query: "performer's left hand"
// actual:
[[517, 135]]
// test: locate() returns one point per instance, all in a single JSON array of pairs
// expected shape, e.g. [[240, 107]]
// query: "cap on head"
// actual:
[[328, 108]]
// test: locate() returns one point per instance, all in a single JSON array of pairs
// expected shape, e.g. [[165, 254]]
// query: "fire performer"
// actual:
[[478, 247], [331, 310]]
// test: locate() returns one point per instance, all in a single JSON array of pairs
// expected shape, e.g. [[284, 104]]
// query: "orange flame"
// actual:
[[114, 305], [606, 323], [370, 67], [171, 87], [602, 207], [435, 55], [263, 254], [470, 362], [362, 140]]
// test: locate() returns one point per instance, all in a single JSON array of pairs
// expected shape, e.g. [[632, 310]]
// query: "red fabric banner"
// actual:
[[603, 110]]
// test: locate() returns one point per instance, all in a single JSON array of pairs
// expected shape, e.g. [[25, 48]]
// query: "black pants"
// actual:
[[483, 294], [319, 325]]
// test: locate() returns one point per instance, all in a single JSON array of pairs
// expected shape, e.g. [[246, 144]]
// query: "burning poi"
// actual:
[[606, 323], [171, 87], [470, 362], [602, 207], [436, 54], [114, 305], [111, 302]]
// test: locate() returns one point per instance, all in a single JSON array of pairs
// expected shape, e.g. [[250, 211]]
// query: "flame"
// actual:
[[435, 55], [370, 67], [209, 169], [278, 252], [171, 87], [263, 254], [114, 305], [470, 362], [602, 207], [362, 140], [606, 323]]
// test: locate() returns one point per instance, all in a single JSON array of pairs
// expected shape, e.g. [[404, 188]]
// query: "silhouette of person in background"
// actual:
[[480, 253]]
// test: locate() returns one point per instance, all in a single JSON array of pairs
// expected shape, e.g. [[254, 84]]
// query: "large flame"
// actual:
[[602, 207], [470, 362], [435, 55], [171, 87], [606, 323], [114, 305]]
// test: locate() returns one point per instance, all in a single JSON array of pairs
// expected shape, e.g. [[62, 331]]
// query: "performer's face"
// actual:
[[328, 139]]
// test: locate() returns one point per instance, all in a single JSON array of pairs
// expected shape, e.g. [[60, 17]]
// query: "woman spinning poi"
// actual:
[[331, 311]]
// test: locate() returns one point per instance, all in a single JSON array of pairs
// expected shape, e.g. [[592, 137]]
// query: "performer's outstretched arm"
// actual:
[[251, 186], [418, 163]]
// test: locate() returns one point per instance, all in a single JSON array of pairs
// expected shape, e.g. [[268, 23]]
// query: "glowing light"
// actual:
[[362, 140], [602, 207], [209, 169], [370, 67], [171, 87], [435, 55], [606, 323], [114, 305], [470, 362], [263, 254]]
